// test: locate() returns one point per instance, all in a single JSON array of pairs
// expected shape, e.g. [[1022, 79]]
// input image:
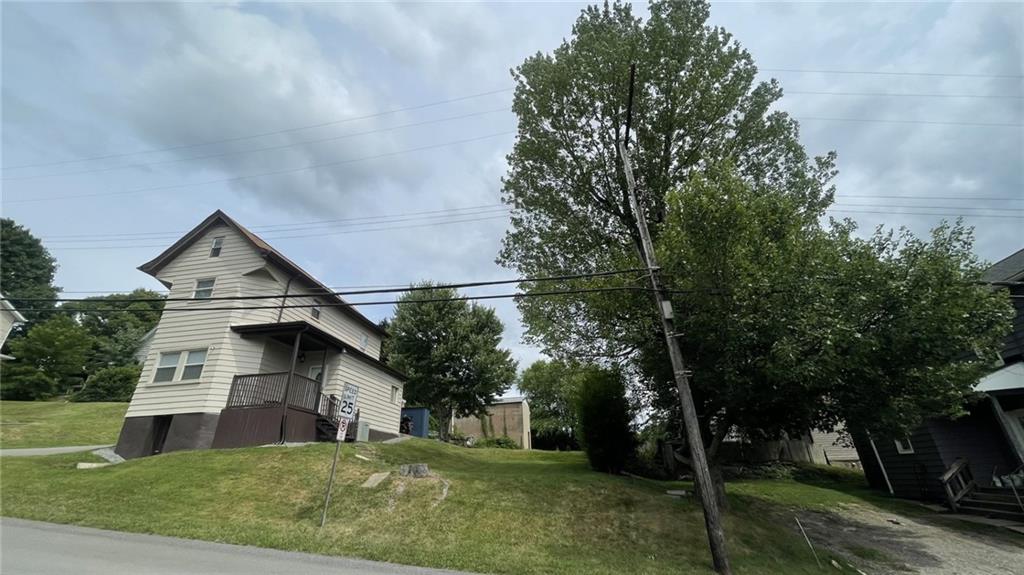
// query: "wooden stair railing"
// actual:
[[958, 483]]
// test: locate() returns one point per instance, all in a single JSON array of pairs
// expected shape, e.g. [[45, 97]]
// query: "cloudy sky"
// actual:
[[124, 125]]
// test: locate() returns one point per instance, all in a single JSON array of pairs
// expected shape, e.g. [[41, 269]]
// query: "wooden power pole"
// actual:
[[699, 459]]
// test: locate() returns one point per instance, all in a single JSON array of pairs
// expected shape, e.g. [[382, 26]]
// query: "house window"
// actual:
[[167, 367], [394, 394], [218, 243], [180, 366], [315, 310], [204, 288], [194, 362], [904, 447]]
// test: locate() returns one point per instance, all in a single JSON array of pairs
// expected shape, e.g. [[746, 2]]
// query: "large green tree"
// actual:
[[450, 350], [116, 324], [766, 311], [26, 270]]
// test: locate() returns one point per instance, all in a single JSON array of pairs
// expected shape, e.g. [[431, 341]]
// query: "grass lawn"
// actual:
[[505, 511], [57, 423]]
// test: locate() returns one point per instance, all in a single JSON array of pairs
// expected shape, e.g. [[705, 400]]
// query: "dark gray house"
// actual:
[[974, 463]]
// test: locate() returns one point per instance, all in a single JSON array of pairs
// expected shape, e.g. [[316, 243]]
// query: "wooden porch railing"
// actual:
[[267, 389], [958, 482]]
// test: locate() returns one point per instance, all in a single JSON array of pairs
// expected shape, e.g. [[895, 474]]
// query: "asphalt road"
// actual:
[[29, 547]]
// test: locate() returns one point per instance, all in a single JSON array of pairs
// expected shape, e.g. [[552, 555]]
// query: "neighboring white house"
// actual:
[[215, 370], [9, 317]]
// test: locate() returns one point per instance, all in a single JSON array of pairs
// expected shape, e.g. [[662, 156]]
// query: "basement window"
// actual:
[[204, 288], [904, 447], [218, 243]]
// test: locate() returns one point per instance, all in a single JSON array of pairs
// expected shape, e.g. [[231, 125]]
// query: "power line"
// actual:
[[324, 231], [262, 174], [340, 232], [957, 198], [925, 122], [902, 95], [888, 73], [849, 211], [402, 289], [929, 207], [263, 134], [364, 303], [308, 223], [264, 149]]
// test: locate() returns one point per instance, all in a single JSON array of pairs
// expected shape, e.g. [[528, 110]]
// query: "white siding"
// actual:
[[241, 270], [374, 403], [190, 330]]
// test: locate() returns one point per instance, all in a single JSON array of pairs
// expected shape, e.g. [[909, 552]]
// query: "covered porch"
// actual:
[[287, 402]]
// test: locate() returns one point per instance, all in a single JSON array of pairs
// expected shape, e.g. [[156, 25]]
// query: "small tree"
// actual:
[[58, 348], [550, 387], [110, 384], [604, 419], [450, 352]]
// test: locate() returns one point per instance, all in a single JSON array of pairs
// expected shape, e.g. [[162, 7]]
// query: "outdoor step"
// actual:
[[984, 496], [1018, 516], [998, 490], [986, 504]]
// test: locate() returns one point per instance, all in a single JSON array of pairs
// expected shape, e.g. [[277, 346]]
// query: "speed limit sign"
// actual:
[[347, 411]]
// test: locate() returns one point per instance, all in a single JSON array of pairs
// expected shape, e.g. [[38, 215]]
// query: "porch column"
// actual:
[[288, 385], [323, 376]]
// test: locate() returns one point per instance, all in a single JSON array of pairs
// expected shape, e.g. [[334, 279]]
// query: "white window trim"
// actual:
[[195, 288], [179, 368], [396, 394], [904, 446], [218, 244]]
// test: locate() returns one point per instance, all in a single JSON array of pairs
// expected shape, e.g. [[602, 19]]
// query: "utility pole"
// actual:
[[701, 473]]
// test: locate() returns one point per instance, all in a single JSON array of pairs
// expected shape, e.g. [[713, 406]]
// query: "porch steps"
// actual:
[[326, 430], [993, 502]]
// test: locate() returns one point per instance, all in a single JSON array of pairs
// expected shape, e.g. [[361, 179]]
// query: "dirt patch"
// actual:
[[881, 542]]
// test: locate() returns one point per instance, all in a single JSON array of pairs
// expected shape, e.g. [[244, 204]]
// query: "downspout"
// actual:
[[284, 298], [881, 466]]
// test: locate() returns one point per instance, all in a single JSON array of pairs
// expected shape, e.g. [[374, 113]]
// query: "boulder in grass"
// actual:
[[414, 470]]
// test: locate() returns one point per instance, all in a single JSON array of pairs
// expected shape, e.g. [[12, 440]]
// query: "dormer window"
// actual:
[[204, 288], [314, 311], [218, 243]]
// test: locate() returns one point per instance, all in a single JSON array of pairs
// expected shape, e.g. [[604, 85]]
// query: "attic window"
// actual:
[[904, 447], [204, 288], [314, 311], [215, 248]]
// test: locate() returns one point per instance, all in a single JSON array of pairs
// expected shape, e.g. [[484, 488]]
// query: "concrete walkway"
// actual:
[[30, 547], [29, 451]]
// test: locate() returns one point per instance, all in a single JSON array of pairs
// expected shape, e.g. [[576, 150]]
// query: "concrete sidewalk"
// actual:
[[30, 451]]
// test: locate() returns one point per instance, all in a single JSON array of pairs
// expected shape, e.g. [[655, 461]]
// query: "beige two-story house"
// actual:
[[244, 327]]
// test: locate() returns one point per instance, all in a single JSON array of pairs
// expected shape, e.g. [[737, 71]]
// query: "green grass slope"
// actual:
[[57, 423], [505, 511]]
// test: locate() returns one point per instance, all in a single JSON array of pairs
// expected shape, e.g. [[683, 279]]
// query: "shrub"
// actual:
[[25, 383], [497, 442], [604, 419], [110, 384]]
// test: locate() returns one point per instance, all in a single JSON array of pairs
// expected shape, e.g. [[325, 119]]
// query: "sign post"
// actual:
[[347, 411]]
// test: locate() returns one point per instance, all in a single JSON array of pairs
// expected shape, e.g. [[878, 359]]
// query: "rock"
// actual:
[[677, 493], [362, 457], [375, 479], [108, 454], [414, 470], [92, 465], [837, 565]]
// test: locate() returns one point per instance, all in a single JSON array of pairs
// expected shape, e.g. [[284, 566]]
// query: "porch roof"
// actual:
[[1008, 377], [285, 332]]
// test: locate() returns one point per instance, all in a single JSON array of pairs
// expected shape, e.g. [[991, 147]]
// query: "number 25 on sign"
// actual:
[[346, 412]]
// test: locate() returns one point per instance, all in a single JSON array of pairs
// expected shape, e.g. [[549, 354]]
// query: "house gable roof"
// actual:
[[1007, 269], [265, 250]]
